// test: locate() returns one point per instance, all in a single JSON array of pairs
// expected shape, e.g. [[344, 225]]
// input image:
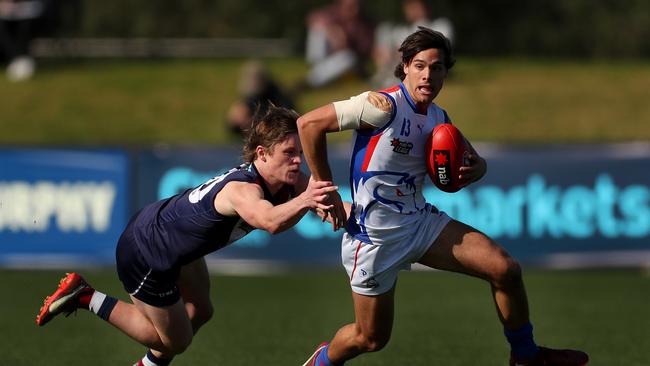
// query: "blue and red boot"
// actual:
[[553, 357]]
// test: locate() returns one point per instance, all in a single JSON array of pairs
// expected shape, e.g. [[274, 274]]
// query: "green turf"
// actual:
[[441, 319], [185, 101]]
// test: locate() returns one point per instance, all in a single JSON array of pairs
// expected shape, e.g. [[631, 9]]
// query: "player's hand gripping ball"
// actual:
[[447, 151]]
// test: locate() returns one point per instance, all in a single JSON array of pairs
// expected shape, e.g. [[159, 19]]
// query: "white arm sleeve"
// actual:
[[371, 108]]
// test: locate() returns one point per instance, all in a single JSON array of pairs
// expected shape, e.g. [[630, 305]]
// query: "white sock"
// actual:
[[96, 301], [147, 362]]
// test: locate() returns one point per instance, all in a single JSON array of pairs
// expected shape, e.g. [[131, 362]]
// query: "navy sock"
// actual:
[[521, 342], [107, 307], [157, 360]]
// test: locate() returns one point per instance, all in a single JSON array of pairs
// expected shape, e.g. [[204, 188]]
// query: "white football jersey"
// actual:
[[387, 172]]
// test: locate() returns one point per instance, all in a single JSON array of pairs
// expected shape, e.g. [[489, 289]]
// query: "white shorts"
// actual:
[[372, 268]]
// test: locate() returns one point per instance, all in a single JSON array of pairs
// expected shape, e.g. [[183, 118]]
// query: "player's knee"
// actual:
[[203, 314], [199, 313], [508, 273]]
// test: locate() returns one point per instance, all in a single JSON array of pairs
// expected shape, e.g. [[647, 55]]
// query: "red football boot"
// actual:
[[65, 299], [553, 357]]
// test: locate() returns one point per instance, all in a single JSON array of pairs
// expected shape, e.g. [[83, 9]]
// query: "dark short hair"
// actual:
[[424, 39], [269, 129]]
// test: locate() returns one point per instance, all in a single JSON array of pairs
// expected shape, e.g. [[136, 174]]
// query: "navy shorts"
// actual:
[[157, 289]]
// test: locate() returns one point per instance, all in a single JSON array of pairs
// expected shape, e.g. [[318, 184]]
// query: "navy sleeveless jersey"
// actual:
[[182, 228]]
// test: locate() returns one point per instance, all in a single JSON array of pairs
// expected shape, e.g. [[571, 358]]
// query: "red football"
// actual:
[[446, 151]]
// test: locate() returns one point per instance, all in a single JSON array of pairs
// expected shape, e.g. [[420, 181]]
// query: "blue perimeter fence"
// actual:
[[550, 206]]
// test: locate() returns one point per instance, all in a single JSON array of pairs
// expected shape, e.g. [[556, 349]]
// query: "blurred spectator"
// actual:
[[389, 37], [339, 39], [257, 90], [17, 24]]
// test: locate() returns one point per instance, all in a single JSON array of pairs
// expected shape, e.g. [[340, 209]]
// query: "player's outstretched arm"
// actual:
[[247, 201]]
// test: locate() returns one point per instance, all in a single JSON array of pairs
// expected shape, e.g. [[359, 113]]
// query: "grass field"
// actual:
[[441, 319], [185, 101]]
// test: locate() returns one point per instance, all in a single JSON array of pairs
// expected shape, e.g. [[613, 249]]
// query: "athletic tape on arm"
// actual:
[[369, 107]]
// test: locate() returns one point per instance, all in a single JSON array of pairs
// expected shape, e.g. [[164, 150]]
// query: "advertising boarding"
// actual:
[[61, 207], [552, 206]]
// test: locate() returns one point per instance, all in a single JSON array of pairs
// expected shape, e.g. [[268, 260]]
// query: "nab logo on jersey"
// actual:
[[402, 147]]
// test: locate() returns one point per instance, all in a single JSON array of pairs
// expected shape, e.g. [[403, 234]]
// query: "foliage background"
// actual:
[[578, 28]]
